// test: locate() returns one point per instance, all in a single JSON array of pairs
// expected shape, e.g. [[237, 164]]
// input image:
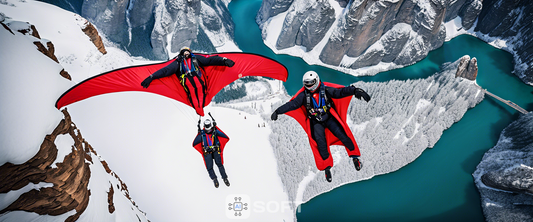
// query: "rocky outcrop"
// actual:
[[469, 13], [271, 8], [144, 27], [47, 51], [504, 175], [28, 29], [140, 13], [516, 180], [91, 31], [467, 68], [110, 204], [192, 23], [70, 178], [109, 17], [343, 3], [368, 32], [302, 27], [510, 20]]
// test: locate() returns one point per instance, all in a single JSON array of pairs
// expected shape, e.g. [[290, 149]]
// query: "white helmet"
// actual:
[[311, 80], [208, 125]]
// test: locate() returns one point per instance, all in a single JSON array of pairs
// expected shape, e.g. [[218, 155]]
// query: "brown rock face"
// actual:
[[111, 205], [91, 31], [69, 179], [47, 51], [467, 68], [65, 74], [7, 28]]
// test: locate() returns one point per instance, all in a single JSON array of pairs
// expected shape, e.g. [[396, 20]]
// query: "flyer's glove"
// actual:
[[361, 93], [228, 62], [199, 129], [180, 58], [146, 82], [274, 116]]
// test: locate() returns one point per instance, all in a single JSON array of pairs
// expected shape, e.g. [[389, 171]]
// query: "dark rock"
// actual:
[[469, 13], [140, 13], [7, 28], [467, 68], [91, 31], [343, 3], [503, 177], [308, 25], [109, 16], [453, 9], [46, 51], [515, 180], [392, 43], [364, 23], [65, 74], [271, 8], [110, 204], [510, 20]]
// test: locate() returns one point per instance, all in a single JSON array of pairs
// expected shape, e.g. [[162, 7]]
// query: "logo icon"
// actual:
[[238, 206]]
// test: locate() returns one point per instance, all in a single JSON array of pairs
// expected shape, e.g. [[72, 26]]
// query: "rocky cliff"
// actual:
[[65, 184], [69, 180], [467, 68], [65, 178], [367, 32], [510, 21], [158, 29], [504, 176]]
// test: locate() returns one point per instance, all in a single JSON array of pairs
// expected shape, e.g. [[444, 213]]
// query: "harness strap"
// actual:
[[210, 143], [315, 109]]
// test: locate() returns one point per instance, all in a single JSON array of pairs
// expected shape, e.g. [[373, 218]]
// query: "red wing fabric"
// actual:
[[130, 78], [199, 147], [245, 65], [339, 112]]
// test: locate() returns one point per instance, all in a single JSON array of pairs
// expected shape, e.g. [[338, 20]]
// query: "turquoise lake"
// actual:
[[438, 186]]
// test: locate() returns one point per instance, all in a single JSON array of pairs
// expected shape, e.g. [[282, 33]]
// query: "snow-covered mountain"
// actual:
[[385, 34], [158, 29], [49, 172], [504, 177], [507, 25], [349, 35]]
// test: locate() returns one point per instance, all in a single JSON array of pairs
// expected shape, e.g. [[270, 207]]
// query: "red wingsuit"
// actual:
[[338, 111], [222, 138], [217, 77], [215, 138]]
